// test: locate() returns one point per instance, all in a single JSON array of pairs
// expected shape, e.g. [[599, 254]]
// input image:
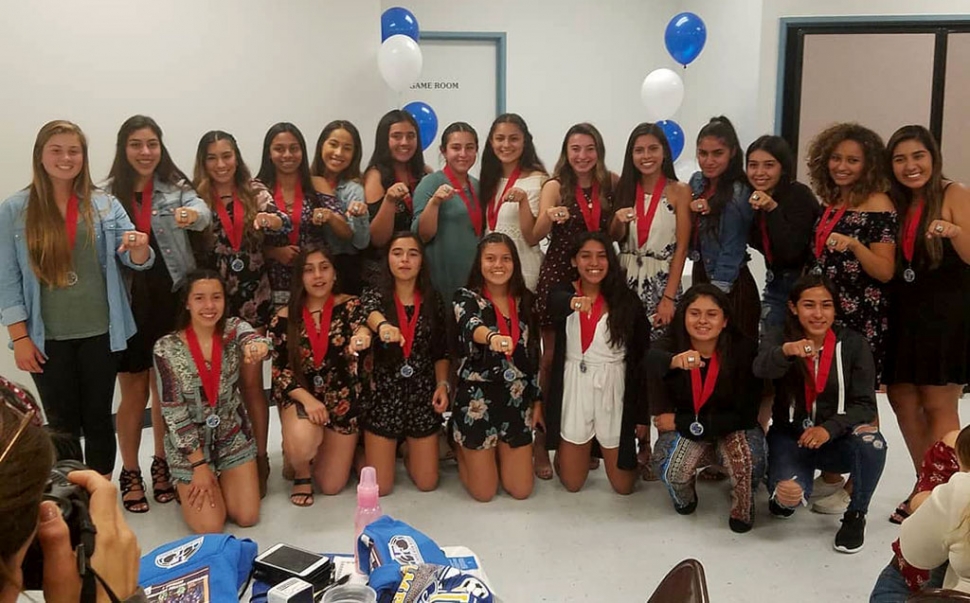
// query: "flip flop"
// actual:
[[302, 499]]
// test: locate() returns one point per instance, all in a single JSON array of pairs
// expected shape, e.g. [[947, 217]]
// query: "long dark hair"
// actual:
[[123, 176], [267, 171], [183, 319], [933, 194], [385, 282], [624, 305], [381, 159], [677, 332], [294, 323], [352, 171], [491, 170], [777, 147], [626, 187], [721, 128], [242, 181], [564, 173]]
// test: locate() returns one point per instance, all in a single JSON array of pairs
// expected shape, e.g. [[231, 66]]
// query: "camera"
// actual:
[[73, 502]]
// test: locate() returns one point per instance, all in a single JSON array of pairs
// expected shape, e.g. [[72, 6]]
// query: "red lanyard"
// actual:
[[296, 213], [474, 209], [210, 376], [644, 222], [319, 338], [826, 226], [503, 328], [408, 327], [496, 203], [702, 394], [909, 229], [765, 240], [411, 183], [815, 386], [143, 219], [70, 220], [593, 210], [589, 320], [232, 226]]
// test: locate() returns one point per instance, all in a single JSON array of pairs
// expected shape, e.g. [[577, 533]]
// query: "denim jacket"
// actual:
[[20, 289], [724, 254], [172, 240], [347, 192]]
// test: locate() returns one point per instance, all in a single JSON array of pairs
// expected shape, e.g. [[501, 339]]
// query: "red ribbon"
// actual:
[[319, 338], [826, 226], [765, 241], [496, 204], [815, 386], [408, 327], [645, 221], [210, 376], [296, 213], [70, 220], [589, 320], [232, 226], [592, 211], [910, 227], [472, 205], [702, 394], [503, 327], [410, 183], [143, 218]]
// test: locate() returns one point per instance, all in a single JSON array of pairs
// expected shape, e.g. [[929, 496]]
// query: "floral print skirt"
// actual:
[[487, 413]]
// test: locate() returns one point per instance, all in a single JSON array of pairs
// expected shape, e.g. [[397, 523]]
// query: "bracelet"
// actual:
[[670, 298], [446, 385], [381, 324], [21, 337], [488, 338], [198, 464]]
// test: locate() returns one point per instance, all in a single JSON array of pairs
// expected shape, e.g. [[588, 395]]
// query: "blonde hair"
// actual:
[[48, 248]]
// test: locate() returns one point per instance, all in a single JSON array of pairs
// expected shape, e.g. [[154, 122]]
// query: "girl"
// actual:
[[785, 214], [578, 198], [497, 398], [159, 199], [654, 231], [512, 176], [706, 403], [602, 333], [316, 384], [824, 404], [62, 295], [234, 248], [447, 214], [336, 171], [208, 441], [929, 325], [410, 387]]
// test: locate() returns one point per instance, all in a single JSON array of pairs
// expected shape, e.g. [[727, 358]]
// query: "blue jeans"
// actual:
[[774, 300], [861, 454], [890, 586]]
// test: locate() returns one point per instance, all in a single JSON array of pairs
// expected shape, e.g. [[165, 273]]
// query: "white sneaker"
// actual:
[[822, 489], [833, 504]]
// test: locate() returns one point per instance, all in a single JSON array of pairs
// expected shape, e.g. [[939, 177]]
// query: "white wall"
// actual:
[[237, 65]]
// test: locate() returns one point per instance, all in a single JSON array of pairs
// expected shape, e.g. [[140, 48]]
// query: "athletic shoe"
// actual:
[[779, 511], [688, 508], [833, 504], [852, 535], [821, 488], [739, 527]]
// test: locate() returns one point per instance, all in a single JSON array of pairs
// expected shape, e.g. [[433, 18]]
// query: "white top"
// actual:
[[605, 375], [938, 531], [508, 223]]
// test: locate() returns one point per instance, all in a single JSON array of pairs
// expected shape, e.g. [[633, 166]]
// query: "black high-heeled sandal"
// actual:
[[162, 475], [130, 481], [302, 499]]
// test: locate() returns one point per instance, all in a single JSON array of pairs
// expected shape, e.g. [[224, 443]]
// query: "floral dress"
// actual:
[[398, 406], [494, 397], [337, 383], [185, 410], [864, 300], [248, 292]]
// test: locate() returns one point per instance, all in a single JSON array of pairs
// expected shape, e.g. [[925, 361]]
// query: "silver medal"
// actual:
[[318, 381], [817, 270], [808, 423], [71, 278], [909, 275], [582, 366], [694, 255], [509, 375], [213, 421], [237, 265], [769, 276], [696, 429], [407, 371]]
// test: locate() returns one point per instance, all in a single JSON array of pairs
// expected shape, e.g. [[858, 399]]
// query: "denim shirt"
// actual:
[[20, 289], [347, 192], [172, 240], [724, 254]]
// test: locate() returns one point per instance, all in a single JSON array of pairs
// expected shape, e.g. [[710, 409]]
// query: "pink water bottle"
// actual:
[[368, 510]]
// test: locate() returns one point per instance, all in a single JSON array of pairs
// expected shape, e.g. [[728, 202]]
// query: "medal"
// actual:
[[582, 365], [496, 204], [909, 275], [694, 255], [701, 391], [471, 205], [509, 375], [769, 276], [407, 370], [319, 338], [817, 270], [913, 218], [593, 209], [696, 429], [766, 245], [645, 221], [296, 213], [826, 224], [807, 423], [318, 381], [237, 265], [213, 421], [209, 373], [587, 323], [818, 377], [71, 278], [232, 226], [408, 330], [70, 225]]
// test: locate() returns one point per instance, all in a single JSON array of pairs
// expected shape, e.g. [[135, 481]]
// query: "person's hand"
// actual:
[[203, 488], [501, 344], [388, 333], [316, 412], [356, 209], [254, 352], [762, 200], [625, 215], [665, 422], [538, 420], [840, 242], [581, 303], [516, 195], [642, 432], [788, 493], [283, 255], [321, 216], [360, 340], [665, 312], [943, 229], [803, 348], [133, 240], [267, 221], [28, 356], [691, 359], [441, 399], [185, 217], [558, 214], [700, 206], [813, 437], [444, 192], [397, 192]]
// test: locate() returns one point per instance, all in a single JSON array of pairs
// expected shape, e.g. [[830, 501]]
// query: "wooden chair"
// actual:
[[686, 583], [931, 595]]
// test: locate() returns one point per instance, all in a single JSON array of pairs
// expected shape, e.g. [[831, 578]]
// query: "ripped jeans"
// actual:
[[860, 453]]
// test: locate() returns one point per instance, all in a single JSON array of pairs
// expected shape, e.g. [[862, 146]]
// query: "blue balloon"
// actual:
[[399, 20], [675, 136], [427, 122], [685, 37]]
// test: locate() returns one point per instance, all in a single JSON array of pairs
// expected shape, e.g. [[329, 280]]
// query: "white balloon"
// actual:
[[662, 93], [686, 166], [399, 61]]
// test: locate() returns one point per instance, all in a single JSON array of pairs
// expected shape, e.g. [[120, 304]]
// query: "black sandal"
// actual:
[[302, 499], [161, 475], [131, 481]]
